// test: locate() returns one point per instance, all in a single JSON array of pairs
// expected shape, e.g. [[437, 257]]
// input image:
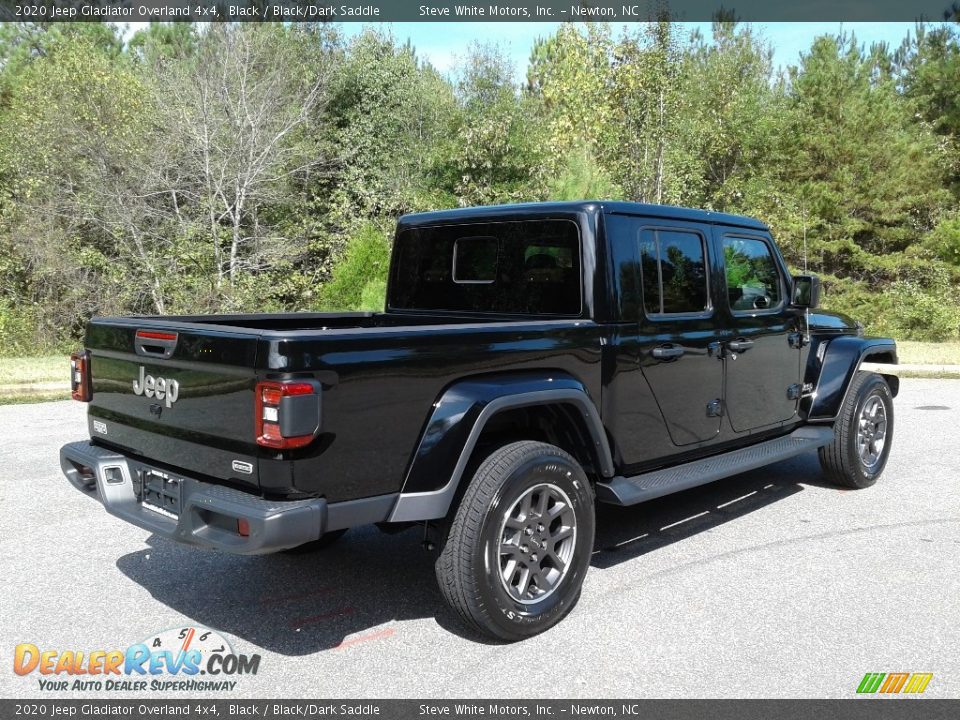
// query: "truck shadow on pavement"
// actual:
[[625, 533], [353, 591]]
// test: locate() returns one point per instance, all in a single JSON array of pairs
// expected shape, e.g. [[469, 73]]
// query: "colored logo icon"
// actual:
[[894, 683]]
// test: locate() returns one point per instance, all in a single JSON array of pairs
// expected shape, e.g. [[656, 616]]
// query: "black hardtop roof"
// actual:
[[620, 207]]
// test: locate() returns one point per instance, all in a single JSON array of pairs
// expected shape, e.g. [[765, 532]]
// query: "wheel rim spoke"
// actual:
[[542, 501], [556, 511], [523, 584], [542, 581], [558, 563], [538, 536], [525, 506], [514, 523]]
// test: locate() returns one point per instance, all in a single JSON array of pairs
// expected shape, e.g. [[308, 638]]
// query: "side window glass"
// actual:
[[753, 280], [650, 270], [674, 271]]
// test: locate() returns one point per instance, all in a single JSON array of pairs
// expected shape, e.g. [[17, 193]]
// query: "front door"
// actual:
[[762, 351], [680, 352]]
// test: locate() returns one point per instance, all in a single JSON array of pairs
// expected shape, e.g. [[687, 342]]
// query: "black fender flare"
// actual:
[[457, 421], [835, 368]]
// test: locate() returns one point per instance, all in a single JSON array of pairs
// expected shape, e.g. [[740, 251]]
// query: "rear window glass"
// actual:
[[475, 260], [524, 268]]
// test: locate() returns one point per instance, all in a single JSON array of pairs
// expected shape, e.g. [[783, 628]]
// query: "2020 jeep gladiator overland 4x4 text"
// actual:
[[532, 359]]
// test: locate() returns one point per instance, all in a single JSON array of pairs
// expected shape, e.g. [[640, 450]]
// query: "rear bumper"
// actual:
[[208, 513]]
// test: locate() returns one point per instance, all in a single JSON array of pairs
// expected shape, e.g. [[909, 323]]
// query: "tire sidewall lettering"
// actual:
[[559, 472]]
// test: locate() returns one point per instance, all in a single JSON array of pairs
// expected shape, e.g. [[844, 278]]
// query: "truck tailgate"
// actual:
[[178, 392]]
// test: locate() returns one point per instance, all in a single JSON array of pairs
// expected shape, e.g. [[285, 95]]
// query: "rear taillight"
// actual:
[[80, 376], [287, 413]]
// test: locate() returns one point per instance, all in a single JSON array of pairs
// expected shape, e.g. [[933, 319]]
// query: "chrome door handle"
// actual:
[[667, 353], [740, 345]]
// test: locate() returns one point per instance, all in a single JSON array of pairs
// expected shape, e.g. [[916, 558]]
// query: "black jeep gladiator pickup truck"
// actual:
[[532, 359]]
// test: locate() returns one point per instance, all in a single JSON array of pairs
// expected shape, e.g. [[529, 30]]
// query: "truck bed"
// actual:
[[380, 372]]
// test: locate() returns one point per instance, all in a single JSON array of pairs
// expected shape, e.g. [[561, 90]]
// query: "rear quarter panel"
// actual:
[[380, 386]]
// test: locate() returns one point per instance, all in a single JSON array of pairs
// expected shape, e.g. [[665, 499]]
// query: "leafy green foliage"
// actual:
[[869, 181], [390, 113], [944, 240], [358, 281], [570, 73], [582, 177], [261, 167], [497, 150], [17, 326]]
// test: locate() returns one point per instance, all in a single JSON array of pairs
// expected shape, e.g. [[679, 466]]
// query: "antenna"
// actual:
[[806, 310], [803, 215]]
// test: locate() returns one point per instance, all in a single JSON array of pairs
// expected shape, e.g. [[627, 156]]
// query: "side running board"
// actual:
[[639, 488]]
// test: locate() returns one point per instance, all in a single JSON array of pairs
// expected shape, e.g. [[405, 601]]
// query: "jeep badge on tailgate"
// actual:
[[160, 388]]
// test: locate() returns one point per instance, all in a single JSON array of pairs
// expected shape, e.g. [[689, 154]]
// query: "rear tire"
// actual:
[[520, 543], [863, 434]]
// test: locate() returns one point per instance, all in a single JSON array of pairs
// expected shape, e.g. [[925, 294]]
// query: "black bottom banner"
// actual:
[[855, 709]]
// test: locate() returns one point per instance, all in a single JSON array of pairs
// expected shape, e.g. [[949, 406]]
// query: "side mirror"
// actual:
[[806, 291]]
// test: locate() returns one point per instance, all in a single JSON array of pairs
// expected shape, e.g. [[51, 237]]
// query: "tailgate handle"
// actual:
[[155, 343]]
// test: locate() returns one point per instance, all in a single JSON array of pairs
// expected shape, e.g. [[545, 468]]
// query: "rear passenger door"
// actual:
[[679, 351], [762, 352]]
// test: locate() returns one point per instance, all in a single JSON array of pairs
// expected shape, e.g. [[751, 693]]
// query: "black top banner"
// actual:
[[486, 11], [203, 709]]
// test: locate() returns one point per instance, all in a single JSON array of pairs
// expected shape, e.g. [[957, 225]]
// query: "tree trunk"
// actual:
[[237, 217], [661, 148]]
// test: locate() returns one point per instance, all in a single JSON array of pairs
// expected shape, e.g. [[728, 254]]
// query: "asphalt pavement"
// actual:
[[770, 584]]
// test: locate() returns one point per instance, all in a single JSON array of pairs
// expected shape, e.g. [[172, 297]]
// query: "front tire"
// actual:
[[520, 543], [863, 434]]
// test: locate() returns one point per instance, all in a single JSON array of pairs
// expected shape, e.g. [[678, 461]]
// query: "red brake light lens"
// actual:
[[155, 335], [297, 388], [80, 388], [269, 406], [271, 395]]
